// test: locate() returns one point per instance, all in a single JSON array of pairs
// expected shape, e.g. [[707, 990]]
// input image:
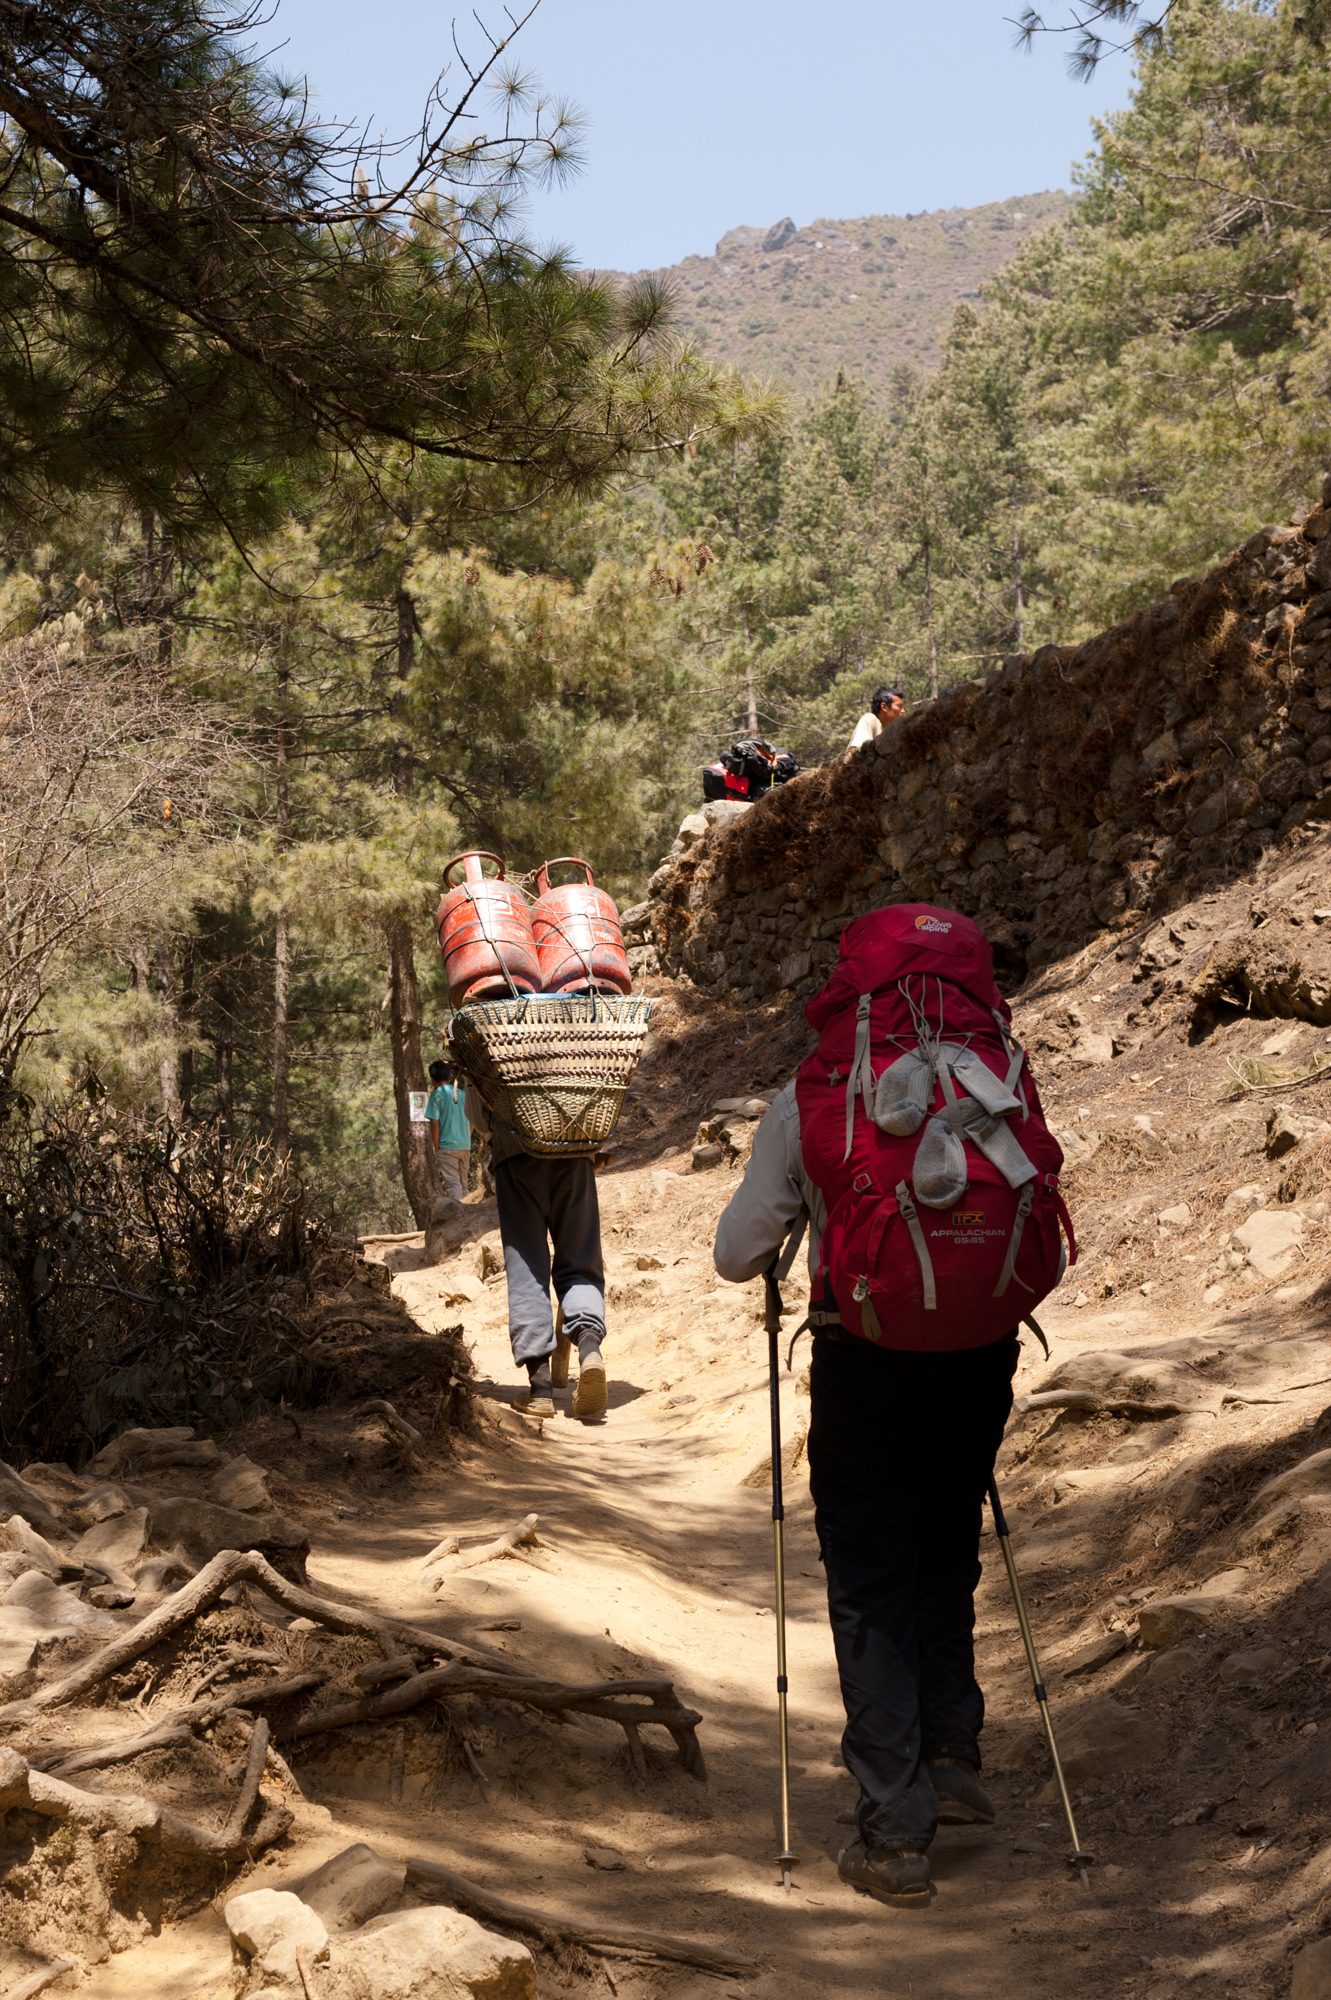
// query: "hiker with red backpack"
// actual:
[[913, 1144]]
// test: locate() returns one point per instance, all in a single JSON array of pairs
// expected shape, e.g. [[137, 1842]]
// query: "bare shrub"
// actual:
[[102, 768], [145, 1275]]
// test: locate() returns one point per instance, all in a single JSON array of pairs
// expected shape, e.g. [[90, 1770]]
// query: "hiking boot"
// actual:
[[962, 1799], [888, 1874], [590, 1396]]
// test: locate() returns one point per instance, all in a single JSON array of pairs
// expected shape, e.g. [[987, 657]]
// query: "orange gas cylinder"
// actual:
[[485, 933], [578, 934]]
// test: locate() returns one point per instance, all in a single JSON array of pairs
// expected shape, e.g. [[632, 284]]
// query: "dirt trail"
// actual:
[[656, 1556], [1200, 1777]]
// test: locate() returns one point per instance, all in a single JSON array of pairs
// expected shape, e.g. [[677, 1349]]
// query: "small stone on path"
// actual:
[[1269, 1240], [1249, 1669], [355, 1885], [1170, 1668], [608, 1859], [427, 1954], [1106, 1737], [1312, 1972], [1167, 1620], [272, 1925], [1097, 1653], [1250, 1195]]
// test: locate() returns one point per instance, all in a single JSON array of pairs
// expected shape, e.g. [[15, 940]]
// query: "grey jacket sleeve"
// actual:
[[769, 1200]]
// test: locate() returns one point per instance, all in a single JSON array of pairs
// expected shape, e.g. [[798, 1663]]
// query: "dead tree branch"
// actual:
[[645, 1947]]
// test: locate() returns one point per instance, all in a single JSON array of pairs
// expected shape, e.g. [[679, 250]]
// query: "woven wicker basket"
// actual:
[[554, 1068]]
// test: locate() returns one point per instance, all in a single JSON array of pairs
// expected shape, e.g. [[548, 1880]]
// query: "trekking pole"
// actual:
[[1079, 1858], [772, 1317]]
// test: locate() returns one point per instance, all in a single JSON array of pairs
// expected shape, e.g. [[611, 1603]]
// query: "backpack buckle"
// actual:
[[861, 1183]]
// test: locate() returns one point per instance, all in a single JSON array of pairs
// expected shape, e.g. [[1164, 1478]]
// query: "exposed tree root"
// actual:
[[37, 1982], [231, 1567], [629, 1703], [421, 1667], [646, 1947], [97, 1813], [399, 1427], [182, 1727], [1090, 1403]]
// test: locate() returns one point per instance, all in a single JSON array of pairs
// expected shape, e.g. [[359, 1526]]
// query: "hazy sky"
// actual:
[[702, 114]]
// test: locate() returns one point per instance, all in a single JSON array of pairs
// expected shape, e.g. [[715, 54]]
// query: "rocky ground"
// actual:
[[1168, 1478]]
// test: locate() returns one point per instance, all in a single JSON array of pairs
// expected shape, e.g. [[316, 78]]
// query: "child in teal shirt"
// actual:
[[450, 1131]]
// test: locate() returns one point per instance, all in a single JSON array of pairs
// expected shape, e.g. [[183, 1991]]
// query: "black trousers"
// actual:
[[901, 1450]]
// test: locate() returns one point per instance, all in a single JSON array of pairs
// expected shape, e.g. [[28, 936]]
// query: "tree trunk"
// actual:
[[282, 938], [189, 1000], [281, 1035], [420, 1174], [157, 584], [226, 1092], [168, 1068], [929, 617]]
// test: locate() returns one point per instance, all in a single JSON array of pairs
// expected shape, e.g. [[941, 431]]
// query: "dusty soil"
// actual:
[[1206, 1809]]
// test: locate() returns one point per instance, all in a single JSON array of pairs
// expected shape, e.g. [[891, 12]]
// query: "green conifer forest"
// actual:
[[342, 530]]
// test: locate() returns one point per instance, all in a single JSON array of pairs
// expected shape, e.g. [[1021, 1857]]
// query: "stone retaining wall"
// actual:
[[1070, 791]]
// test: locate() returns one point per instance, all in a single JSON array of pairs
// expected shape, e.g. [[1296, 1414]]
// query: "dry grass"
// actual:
[[1251, 1075]]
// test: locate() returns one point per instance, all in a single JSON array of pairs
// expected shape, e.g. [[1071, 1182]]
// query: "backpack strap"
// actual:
[[910, 1215], [861, 1071], [1008, 1272], [870, 1324], [1016, 1057]]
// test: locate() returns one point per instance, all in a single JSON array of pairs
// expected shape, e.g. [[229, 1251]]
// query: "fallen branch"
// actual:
[[447, 1560], [647, 1947], [450, 1546], [223, 1573], [628, 1703]]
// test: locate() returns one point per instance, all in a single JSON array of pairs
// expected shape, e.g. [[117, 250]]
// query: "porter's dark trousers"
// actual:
[[901, 1450], [549, 1223]]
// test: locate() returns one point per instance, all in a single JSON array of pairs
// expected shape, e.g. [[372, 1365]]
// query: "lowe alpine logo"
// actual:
[[968, 1218], [931, 924]]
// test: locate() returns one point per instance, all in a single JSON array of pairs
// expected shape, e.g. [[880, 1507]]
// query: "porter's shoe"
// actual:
[[962, 1799], [538, 1401], [590, 1396], [889, 1874], [559, 1361]]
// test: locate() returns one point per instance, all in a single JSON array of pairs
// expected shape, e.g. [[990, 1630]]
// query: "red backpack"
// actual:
[[921, 1127]]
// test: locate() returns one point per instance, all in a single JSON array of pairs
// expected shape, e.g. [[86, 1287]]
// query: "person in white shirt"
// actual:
[[885, 707]]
